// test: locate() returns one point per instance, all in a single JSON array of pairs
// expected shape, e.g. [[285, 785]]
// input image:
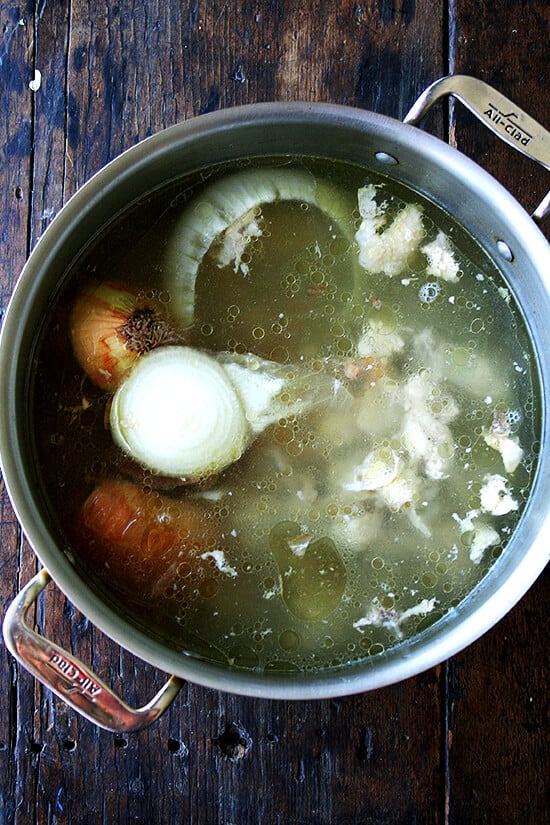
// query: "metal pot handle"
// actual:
[[67, 677], [497, 112]]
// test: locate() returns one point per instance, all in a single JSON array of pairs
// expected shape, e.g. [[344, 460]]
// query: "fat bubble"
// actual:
[[429, 292]]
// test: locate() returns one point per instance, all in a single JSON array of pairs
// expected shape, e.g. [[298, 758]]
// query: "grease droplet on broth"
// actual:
[[311, 571]]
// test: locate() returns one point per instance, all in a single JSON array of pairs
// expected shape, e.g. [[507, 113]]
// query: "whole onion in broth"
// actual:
[[111, 326]]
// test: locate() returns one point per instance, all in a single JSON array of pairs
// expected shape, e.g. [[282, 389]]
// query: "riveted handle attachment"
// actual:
[[69, 678], [498, 113]]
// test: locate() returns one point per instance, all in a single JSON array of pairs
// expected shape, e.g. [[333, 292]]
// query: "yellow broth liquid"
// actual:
[[310, 574]]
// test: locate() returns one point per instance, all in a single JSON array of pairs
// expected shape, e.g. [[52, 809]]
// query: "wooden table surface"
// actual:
[[464, 743]]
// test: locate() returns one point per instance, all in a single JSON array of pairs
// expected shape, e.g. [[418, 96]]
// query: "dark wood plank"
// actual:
[[506, 45], [16, 138], [498, 725], [498, 711], [318, 762]]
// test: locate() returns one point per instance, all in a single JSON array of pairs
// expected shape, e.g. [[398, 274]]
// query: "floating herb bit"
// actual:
[[111, 326]]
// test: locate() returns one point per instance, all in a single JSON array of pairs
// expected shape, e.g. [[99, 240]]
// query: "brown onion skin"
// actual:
[[136, 540], [106, 335]]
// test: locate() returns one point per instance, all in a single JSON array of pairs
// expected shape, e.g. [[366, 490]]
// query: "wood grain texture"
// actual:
[[498, 719], [16, 137], [506, 44], [464, 743], [498, 693]]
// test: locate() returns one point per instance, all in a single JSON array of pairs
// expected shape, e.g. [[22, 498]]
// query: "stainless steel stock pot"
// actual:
[[487, 211]]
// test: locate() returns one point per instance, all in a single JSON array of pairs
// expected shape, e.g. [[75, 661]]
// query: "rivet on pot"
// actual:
[[505, 251], [389, 160]]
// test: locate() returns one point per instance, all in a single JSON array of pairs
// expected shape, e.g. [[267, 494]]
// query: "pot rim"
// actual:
[[479, 611]]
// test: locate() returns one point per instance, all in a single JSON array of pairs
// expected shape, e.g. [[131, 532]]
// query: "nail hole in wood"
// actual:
[[175, 746], [234, 742]]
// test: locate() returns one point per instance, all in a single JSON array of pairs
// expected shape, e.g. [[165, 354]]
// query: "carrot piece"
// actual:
[[136, 540]]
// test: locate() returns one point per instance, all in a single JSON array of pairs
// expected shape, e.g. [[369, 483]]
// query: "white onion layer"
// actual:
[[223, 203], [179, 415]]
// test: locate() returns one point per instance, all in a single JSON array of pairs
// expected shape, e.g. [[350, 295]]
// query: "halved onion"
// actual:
[[185, 413], [179, 414], [225, 204]]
